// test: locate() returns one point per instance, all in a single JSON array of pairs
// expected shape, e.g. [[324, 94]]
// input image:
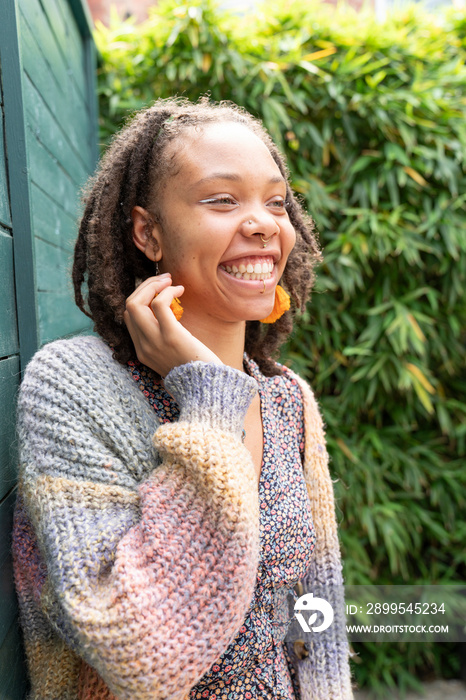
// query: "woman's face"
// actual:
[[225, 178]]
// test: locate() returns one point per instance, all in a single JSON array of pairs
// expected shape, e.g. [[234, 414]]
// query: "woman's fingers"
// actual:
[[160, 305], [138, 315], [138, 305], [152, 324], [146, 291]]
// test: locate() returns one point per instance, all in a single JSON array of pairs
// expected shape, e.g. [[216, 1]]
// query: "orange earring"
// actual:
[[282, 304], [177, 309]]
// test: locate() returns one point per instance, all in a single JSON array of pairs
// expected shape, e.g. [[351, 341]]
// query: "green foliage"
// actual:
[[372, 119]]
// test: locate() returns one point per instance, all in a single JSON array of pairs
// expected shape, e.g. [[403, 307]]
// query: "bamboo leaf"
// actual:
[[416, 372], [417, 177], [345, 449], [323, 53], [416, 327]]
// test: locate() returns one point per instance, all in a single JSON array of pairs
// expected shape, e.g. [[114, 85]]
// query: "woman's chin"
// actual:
[[263, 315]]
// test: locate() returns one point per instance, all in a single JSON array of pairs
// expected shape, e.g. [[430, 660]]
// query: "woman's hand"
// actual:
[[161, 342]]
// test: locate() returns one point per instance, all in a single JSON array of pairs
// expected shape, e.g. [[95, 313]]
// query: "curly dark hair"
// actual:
[[131, 173]]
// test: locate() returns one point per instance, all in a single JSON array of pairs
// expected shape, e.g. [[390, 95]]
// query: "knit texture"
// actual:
[[136, 560], [255, 663]]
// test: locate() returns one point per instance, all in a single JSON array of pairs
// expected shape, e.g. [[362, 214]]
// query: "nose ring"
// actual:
[[265, 241]]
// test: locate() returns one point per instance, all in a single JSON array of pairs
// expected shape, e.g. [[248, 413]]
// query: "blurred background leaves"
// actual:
[[372, 120]]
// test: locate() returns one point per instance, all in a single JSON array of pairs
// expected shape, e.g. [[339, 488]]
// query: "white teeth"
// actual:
[[249, 275], [258, 271]]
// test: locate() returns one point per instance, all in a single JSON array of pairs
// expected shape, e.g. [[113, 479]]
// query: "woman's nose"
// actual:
[[262, 223]]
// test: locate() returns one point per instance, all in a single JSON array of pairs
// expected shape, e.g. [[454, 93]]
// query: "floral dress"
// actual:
[[256, 664]]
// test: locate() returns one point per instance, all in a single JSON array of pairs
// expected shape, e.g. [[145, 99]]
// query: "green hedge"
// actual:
[[372, 119]]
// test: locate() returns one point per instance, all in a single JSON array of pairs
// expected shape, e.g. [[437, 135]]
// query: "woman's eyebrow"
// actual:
[[276, 179]]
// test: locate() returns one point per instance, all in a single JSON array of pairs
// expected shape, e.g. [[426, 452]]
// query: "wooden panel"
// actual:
[[91, 62], [64, 27], [12, 666], [51, 222], [53, 267], [45, 171], [71, 113], [5, 217], [9, 383], [59, 127], [58, 313], [44, 41], [6, 519], [12, 80], [8, 324], [59, 316], [47, 128], [8, 602], [82, 15], [65, 60]]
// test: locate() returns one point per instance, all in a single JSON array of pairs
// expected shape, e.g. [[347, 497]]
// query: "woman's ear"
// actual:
[[146, 234]]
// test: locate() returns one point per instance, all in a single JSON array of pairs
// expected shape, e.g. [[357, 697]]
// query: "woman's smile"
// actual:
[[250, 268], [251, 284]]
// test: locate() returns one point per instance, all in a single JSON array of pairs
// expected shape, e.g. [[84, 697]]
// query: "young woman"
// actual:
[[174, 482]]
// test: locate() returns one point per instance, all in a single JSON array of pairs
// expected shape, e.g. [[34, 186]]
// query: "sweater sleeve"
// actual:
[[323, 668], [148, 580]]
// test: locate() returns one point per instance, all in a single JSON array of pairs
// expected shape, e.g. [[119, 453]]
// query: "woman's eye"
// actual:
[[279, 204], [218, 200]]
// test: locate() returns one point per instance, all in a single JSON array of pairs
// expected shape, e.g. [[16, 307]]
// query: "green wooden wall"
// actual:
[[48, 148]]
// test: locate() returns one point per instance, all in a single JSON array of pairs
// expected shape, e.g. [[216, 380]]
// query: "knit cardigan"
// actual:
[[136, 544]]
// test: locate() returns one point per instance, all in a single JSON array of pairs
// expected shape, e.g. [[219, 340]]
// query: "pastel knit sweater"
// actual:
[[136, 544]]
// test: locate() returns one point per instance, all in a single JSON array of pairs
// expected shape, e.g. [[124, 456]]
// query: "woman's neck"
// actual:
[[226, 339]]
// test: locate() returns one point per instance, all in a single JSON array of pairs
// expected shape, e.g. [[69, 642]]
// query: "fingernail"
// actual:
[[164, 274]]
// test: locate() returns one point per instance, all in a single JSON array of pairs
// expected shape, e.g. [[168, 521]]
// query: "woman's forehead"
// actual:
[[223, 147]]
